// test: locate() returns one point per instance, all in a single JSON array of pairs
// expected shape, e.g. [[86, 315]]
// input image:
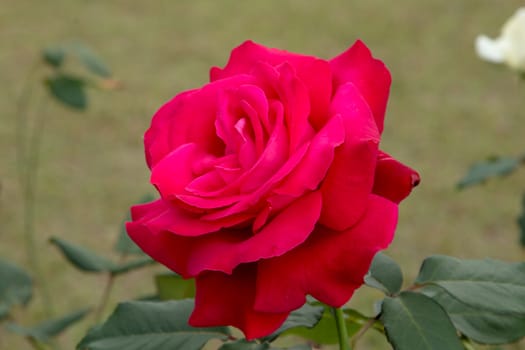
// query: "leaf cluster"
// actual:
[[452, 303]]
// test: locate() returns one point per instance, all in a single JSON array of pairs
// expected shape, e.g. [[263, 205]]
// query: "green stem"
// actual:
[[362, 331], [28, 142], [21, 115], [32, 170], [342, 333], [36, 344], [105, 297]]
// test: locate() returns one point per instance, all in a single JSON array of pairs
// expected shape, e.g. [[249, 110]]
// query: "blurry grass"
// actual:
[[447, 110]]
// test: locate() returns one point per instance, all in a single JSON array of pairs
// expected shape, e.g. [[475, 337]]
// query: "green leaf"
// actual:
[[124, 244], [54, 56], [488, 284], [142, 325], [324, 332], [482, 171], [68, 90], [414, 321], [171, 286], [132, 265], [306, 316], [16, 287], [82, 258], [243, 344], [90, 60], [48, 329], [384, 274], [521, 222], [89, 261], [480, 325]]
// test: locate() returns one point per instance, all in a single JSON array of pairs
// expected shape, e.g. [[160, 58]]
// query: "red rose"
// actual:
[[272, 184]]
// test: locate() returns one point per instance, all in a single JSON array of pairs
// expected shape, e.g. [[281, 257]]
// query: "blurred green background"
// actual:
[[447, 109]]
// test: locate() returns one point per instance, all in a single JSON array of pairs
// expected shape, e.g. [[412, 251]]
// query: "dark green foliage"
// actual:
[[384, 274], [414, 321], [69, 90], [56, 55], [482, 171], [324, 332], [243, 344], [489, 284], [46, 330], [141, 325], [89, 261], [306, 316], [521, 222], [16, 287], [479, 324], [90, 60]]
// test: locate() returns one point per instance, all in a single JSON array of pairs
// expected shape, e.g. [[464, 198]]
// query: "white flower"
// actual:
[[509, 47]]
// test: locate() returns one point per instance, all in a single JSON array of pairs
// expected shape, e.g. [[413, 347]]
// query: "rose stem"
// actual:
[[342, 333], [27, 151]]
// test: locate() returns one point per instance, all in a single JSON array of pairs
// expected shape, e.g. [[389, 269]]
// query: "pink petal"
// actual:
[[225, 251], [157, 140], [393, 180], [317, 77], [251, 199], [188, 118], [245, 56], [192, 252], [163, 215], [223, 299], [241, 113], [349, 180], [273, 157], [313, 167], [175, 171], [369, 75], [294, 97], [314, 73], [162, 246], [330, 265], [254, 104]]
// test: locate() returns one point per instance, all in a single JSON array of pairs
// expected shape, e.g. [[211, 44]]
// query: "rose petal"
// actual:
[[220, 251], [163, 215], [317, 77], [223, 299], [226, 250], [294, 97], [175, 171], [349, 180], [369, 75], [273, 157], [393, 180], [157, 140], [330, 265], [241, 113], [314, 73], [245, 56], [249, 200], [313, 167], [188, 118], [162, 246]]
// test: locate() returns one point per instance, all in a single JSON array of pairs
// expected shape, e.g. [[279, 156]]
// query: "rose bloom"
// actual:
[[509, 47], [272, 186]]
